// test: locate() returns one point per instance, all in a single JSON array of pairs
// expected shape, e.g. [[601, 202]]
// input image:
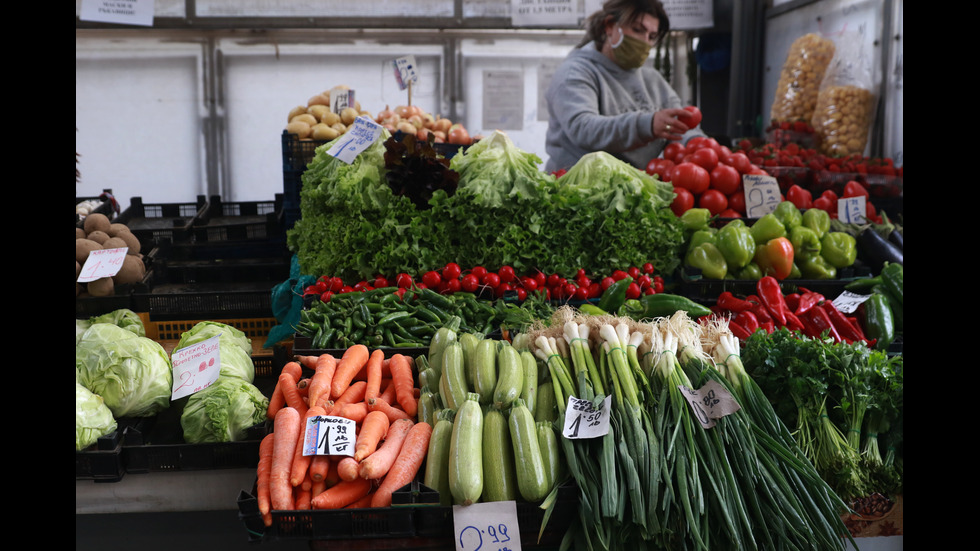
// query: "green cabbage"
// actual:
[[93, 419], [132, 374], [223, 412], [234, 345], [123, 317]]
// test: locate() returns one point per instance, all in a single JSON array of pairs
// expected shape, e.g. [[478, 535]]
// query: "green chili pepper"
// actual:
[[615, 295]]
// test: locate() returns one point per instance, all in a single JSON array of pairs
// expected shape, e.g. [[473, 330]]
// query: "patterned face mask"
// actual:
[[630, 53]]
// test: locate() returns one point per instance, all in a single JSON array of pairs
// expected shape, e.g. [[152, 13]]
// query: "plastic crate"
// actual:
[[788, 176], [166, 301], [154, 444], [88, 306], [102, 461], [154, 223], [706, 291], [303, 347], [256, 329], [235, 221]]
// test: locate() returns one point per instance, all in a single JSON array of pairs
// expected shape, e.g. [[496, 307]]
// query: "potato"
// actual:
[[330, 118], [298, 110], [305, 117], [115, 243], [348, 114], [318, 111], [323, 132], [132, 270], [96, 221], [115, 228], [339, 127], [102, 287], [79, 233], [132, 242], [301, 128], [98, 236], [83, 247], [319, 99]]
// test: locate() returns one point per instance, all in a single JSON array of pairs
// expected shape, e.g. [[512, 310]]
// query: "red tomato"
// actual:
[[713, 200], [736, 201], [661, 168], [705, 156], [729, 213], [671, 150], [695, 178], [694, 118], [451, 271], [725, 179], [432, 279], [740, 162], [683, 201]]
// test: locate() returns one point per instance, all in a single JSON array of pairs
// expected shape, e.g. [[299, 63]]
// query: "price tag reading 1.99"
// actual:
[[490, 526]]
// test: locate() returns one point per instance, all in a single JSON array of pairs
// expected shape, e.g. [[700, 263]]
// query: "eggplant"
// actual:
[[876, 250], [897, 239]]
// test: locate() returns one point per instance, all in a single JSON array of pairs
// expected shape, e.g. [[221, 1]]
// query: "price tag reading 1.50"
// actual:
[[490, 526], [584, 420]]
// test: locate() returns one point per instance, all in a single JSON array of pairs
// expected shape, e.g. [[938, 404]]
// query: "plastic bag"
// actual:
[[800, 78], [845, 106]]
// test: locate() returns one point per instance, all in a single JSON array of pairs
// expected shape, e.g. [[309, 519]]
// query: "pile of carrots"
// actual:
[[380, 395]]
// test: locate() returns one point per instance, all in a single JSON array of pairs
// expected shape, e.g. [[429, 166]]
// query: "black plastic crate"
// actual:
[[155, 445], [303, 347], [706, 291], [88, 306], [169, 301], [237, 221], [102, 461], [154, 223]]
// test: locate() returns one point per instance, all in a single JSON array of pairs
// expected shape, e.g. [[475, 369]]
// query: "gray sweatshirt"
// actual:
[[594, 105]]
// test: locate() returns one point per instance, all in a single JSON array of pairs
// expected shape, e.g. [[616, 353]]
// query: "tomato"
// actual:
[[729, 213], [736, 201], [725, 179], [506, 274], [671, 150], [740, 162], [403, 280], [491, 280], [451, 271], [661, 168], [691, 176], [469, 283], [694, 118], [432, 279], [713, 200], [705, 156], [683, 201], [800, 197]]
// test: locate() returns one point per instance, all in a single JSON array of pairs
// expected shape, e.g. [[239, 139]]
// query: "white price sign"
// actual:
[[710, 402], [329, 435], [361, 135], [123, 12], [195, 367], [406, 71], [852, 210], [583, 419], [848, 302], [761, 194], [102, 263], [490, 526]]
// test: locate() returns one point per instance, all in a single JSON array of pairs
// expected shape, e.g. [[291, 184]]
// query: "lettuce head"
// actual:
[[93, 419], [223, 412]]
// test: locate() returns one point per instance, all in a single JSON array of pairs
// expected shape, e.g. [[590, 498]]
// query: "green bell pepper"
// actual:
[[750, 271], [839, 248], [817, 220], [794, 271], [695, 219], [706, 235], [806, 243], [708, 259], [767, 228], [816, 267], [788, 214], [735, 241]]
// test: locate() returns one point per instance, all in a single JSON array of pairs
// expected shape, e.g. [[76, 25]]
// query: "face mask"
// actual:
[[630, 53]]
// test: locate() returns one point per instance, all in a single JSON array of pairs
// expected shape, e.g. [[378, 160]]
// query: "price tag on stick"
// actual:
[[584, 420], [852, 210], [487, 526], [406, 72]]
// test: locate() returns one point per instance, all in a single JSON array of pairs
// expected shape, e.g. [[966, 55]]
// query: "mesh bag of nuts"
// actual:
[[800, 78], [845, 107]]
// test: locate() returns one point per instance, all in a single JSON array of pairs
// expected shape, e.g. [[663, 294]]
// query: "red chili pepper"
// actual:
[[772, 297], [808, 300], [747, 320], [844, 327], [793, 323], [738, 331], [728, 301], [822, 322], [792, 301]]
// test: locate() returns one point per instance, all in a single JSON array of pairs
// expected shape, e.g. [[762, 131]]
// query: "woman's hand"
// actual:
[[668, 125]]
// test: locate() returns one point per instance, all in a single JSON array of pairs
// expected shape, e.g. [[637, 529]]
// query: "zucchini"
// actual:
[[440, 339], [469, 341], [453, 372], [446, 395], [544, 408], [510, 377], [532, 481], [436, 474], [499, 473], [485, 370], [428, 407], [529, 389], [550, 452], [466, 452]]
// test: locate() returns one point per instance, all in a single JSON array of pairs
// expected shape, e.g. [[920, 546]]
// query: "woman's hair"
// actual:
[[624, 12]]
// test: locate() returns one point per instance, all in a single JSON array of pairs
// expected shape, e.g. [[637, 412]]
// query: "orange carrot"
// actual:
[[373, 375], [377, 464], [406, 465], [316, 488], [391, 411], [287, 384], [303, 494], [350, 363], [262, 473], [362, 503], [373, 430], [404, 381], [332, 476], [326, 364], [354, 393], [347, 468], [277, 400], [303, 386], [301, 463], [355, 412], [286, 429], [308, 362], [319, 467], [342, 494]]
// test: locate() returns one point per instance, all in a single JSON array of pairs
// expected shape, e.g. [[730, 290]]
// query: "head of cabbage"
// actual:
[[223, 412], [93, 420], [132, 374]]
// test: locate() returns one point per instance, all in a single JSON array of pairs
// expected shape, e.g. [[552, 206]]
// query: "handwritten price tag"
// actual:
[[102, 263], [195, 367], [852, 210], [710, 402], [584, 420], [361, 135], [329, 435], [761, 194], [848, 302], [341, 98], [490, 526], [406, 71]]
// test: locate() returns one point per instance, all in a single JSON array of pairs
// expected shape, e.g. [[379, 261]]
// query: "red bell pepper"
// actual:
[[738, 331], [747, 320], [775, 257], [730, 302], [821, 322], [772, 297], [808, 300], [848, 331]]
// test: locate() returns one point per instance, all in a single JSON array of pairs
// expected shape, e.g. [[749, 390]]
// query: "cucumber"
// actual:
[[529, 389], [550, 452], [544, 408], [510, 377], [466, 452], [499, 473], [436, 474], [485, 370], [453, 372], [532, 479], [469, 341]]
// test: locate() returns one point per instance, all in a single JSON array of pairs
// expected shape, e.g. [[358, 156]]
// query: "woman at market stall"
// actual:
[[605, 97]]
